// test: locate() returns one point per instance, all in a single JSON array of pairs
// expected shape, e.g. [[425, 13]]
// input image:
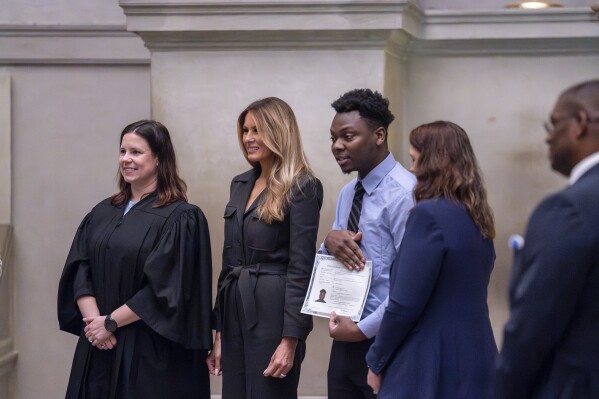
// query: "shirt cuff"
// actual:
[[371, 324], [369, 327], [322, 250]]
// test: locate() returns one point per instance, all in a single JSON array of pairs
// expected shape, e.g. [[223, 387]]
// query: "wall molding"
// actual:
[[401, 27], [269, 25], [266, 41], [24, 44], [320, 10], [567, 31], [416, 48]]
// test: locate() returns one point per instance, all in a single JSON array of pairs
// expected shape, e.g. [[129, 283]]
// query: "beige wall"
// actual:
[[193, 95], [66, 12], [503, 120], [77, 78], [73, 89], [66, 126], [501, 102]]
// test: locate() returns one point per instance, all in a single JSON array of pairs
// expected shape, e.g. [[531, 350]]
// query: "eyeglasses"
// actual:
[[550, 125]]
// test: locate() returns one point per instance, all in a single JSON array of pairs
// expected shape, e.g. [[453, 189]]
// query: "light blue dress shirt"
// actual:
[[128, 207], [385, 207]]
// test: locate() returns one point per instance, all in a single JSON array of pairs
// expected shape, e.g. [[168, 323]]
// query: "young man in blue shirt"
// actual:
[[359, 144]]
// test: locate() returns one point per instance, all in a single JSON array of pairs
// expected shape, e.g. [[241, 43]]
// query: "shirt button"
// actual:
[[239, 262]]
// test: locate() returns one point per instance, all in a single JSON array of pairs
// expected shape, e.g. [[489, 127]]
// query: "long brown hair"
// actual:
[[170, 187], [278, 129], [447, 167]]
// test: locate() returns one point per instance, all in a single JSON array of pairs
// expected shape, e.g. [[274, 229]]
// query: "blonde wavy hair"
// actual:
[[278, 129]]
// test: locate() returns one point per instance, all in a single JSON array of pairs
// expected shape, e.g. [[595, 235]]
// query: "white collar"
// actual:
[[583, 166]]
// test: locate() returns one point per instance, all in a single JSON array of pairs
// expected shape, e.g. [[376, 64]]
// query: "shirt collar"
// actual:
[[582, 167], [374, 177]]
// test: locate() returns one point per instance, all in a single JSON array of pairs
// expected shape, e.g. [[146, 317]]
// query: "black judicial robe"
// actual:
[[158, 262]]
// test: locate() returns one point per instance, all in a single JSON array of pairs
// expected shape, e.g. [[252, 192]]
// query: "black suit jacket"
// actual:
[[551, 341], [249, 241]]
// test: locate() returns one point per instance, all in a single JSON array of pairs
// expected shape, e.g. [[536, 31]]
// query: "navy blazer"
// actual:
[[551, 340], [292, 242], [435, 339]]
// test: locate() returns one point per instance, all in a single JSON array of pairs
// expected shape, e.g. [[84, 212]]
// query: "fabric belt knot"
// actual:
[[247, 285]]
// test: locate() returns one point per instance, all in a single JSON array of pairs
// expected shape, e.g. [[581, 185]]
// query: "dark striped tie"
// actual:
[[356, 208]]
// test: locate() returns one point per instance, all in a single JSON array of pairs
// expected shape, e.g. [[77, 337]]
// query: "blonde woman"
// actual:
[[271, 223]]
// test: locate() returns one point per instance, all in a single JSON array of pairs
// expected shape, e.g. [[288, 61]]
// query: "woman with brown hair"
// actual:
[[271, 223], [136, 286], [435, 340]]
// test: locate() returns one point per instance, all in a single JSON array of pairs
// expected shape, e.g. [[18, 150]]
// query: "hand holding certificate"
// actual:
[[335, 288]]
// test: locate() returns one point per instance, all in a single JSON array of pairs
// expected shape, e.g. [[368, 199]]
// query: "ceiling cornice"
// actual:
[[344, 24], [239, 25], [510, 24], [399, 27]]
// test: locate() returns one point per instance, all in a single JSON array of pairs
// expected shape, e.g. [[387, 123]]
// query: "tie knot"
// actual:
[[359, 188]]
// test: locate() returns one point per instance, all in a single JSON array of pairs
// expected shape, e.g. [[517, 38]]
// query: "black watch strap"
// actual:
[[110, 324]]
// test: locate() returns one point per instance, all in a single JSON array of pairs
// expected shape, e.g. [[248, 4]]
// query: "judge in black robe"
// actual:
[[156, 261]]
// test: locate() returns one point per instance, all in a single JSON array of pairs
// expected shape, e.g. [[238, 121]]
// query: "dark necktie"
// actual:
[[356, 208]]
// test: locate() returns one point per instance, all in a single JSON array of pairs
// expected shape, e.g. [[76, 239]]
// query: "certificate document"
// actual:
[[334, 287]]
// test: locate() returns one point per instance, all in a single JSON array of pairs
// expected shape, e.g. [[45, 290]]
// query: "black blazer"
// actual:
[[249, 241], [551, 341]]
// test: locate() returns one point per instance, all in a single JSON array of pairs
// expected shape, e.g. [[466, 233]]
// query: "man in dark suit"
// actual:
[[551, 341]]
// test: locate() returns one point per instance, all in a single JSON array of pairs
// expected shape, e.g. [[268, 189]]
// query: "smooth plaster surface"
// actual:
[[66, 120], [66, 129], [194, 95]]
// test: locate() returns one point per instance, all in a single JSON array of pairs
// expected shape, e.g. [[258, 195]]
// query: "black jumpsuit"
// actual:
[[265, 275]]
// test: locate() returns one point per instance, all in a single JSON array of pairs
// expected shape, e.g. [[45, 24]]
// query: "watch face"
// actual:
[[110, 325]]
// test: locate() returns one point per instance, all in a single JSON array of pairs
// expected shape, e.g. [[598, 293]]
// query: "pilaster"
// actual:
[[8, 354]]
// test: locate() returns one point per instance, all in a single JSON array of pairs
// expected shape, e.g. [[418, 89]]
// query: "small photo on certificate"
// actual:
[[335, 288]]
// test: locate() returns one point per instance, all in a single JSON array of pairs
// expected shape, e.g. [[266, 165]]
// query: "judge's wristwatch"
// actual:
[[110, 324]]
